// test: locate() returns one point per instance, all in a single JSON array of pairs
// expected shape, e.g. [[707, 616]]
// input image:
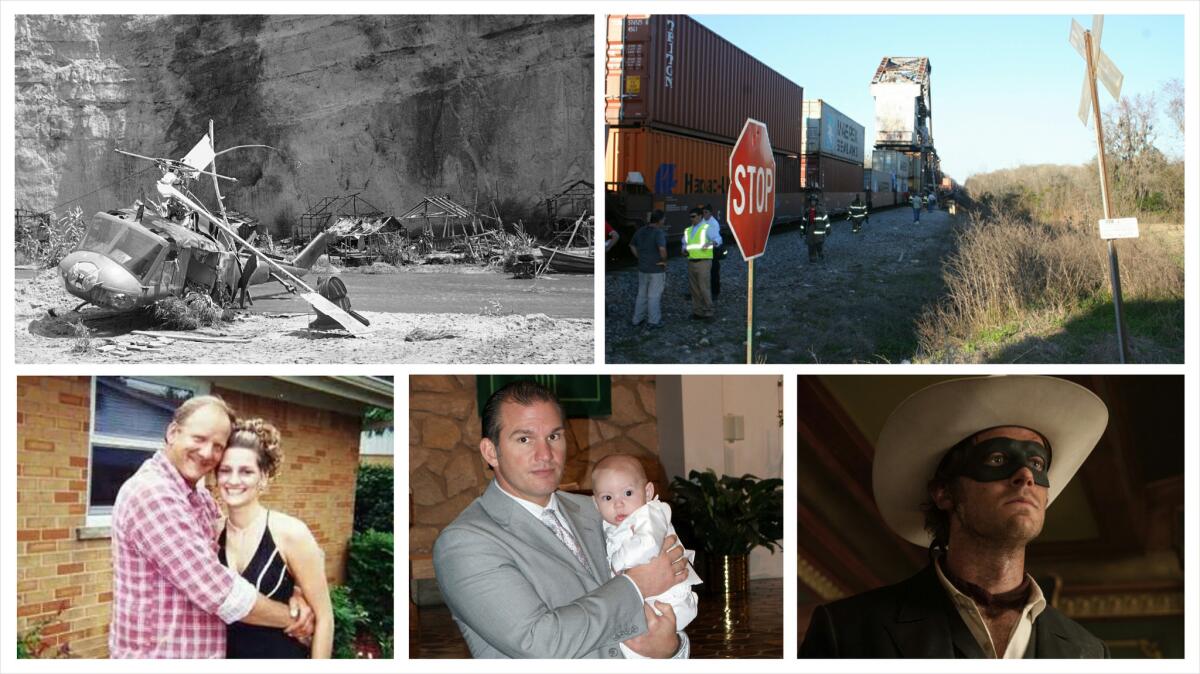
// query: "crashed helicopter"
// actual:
[[134, 257]]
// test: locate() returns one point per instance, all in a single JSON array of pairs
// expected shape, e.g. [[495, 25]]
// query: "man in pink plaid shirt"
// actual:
[[171, 597]]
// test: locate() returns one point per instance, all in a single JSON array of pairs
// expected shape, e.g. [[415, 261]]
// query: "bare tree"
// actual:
[[1173, 93]]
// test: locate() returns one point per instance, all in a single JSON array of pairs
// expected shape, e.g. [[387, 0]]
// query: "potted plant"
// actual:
[[724, 518]]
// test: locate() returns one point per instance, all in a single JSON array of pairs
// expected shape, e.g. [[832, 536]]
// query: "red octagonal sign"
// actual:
[[750, 205]]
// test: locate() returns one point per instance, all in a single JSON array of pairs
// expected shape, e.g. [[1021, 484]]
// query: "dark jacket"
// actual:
[[916, 619]]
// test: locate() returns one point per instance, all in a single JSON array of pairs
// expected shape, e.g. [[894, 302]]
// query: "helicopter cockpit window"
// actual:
[[100, 235], [136, 251]]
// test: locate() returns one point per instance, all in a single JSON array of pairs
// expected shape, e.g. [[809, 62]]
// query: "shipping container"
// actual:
[[890, 171], [830, 173], [829, 132], [674, 164], [682, 172], [671, 73], [838, 180]]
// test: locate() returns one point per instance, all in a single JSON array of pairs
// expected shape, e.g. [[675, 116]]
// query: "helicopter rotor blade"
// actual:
[[174, 163]]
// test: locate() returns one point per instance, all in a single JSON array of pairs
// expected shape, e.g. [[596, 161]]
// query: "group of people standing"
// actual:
[[916, 201], [704, 247]]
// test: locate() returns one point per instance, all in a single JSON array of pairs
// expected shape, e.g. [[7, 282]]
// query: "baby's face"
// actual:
[[618, 493]]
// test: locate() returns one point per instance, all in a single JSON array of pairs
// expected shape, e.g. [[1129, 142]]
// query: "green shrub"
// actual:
[[348, 617], [374, 497], [30, 644], [369, 575]]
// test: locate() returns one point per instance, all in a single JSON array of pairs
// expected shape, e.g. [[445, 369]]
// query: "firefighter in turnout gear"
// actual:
[[857, 213], [816, 228]]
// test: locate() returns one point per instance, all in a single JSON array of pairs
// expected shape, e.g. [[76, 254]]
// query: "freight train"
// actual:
[[676, 98], [672, 119]]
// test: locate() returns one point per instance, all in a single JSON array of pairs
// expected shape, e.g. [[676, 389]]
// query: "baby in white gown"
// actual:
[[635, 525]]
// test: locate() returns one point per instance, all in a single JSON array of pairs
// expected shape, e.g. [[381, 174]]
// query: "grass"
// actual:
[[1018, 289], [82, 344]]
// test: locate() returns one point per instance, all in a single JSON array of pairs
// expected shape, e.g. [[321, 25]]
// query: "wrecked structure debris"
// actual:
[[158, 250], [565, 207], [573, 252], [904, 115]]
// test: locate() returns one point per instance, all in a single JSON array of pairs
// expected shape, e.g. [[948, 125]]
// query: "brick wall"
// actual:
[[65, 584], [59, 579], [446, 471], [320, 466]]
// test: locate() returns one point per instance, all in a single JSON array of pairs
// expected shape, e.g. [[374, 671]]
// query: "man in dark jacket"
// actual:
[[816, 228], [1014, 443]]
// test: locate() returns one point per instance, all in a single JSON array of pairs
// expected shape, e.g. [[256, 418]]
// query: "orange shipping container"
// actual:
[[675, 164]]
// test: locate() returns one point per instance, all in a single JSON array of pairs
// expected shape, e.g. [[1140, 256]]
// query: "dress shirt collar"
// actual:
[[969, 611], [533, 508]]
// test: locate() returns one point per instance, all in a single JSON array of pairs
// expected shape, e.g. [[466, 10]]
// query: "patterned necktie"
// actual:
[[550, 519]]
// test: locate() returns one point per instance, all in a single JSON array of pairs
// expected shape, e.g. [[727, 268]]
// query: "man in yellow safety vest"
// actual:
[[699, 247]]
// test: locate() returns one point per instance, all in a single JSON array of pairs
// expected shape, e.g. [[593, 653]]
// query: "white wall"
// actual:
[[706, 401]]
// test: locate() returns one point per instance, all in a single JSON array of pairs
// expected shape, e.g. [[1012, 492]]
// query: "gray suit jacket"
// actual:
[[517, 592]]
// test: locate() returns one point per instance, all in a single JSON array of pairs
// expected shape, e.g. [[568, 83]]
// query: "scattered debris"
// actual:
[[190, 337], [193, 311], [425, 335]]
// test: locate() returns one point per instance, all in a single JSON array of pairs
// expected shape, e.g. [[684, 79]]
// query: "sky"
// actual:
[[1005, 89]]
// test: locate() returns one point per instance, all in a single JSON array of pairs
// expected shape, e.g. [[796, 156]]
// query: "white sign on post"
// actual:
[[1119, 228]]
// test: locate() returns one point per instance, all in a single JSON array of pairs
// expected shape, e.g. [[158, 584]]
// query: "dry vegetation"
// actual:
[[45, 245], [1029, 279]]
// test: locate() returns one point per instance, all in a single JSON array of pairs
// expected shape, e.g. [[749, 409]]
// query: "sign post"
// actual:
[[750, 205], [1087, 44]]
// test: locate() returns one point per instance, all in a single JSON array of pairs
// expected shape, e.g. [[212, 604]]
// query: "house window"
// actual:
[[129, 418]]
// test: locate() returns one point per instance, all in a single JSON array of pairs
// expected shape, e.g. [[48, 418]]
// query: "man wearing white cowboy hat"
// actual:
[[967, 467]]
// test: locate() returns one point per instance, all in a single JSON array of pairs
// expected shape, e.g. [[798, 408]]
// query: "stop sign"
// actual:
[[750, 205]]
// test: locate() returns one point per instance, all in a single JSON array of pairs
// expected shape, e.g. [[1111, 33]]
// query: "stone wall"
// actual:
[[446, 471], [65, 584], [393, 107]]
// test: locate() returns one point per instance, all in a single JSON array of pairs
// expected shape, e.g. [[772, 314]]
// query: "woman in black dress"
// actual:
[[272, 550]]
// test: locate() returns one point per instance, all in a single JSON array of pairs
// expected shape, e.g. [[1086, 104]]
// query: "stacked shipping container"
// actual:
[[832, 147], [675, 164], [890, 175], [670, 73], [676, 97]]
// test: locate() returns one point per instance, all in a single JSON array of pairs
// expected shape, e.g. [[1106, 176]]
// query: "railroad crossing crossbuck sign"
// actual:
[[750, 206], [1087, 45], [1106, 70]]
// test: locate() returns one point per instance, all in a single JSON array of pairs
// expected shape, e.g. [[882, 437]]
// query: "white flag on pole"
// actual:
[[201, 155]]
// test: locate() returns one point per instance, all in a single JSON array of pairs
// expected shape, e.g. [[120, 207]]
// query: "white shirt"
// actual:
[[1018, 641], [714, 229], [637, 540], [537, 510]]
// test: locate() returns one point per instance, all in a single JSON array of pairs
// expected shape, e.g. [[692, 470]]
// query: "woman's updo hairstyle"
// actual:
[[263, 439]]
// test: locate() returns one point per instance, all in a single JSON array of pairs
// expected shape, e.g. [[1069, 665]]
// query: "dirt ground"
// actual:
[[857, 305], [487, 331]]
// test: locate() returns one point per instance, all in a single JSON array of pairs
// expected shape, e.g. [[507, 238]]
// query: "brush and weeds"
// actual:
[[1029, 279], [44, 240], [1023, 289]]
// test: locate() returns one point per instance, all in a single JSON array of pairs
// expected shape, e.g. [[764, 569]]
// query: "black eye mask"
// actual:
[[978, 463]]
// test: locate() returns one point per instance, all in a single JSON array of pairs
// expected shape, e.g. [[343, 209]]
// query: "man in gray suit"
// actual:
[[523, 568]]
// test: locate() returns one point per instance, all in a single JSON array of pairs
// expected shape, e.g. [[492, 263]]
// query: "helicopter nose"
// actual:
[[94, 277]]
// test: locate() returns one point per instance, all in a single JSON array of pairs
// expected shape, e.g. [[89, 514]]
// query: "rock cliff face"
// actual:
[[393, 107]]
